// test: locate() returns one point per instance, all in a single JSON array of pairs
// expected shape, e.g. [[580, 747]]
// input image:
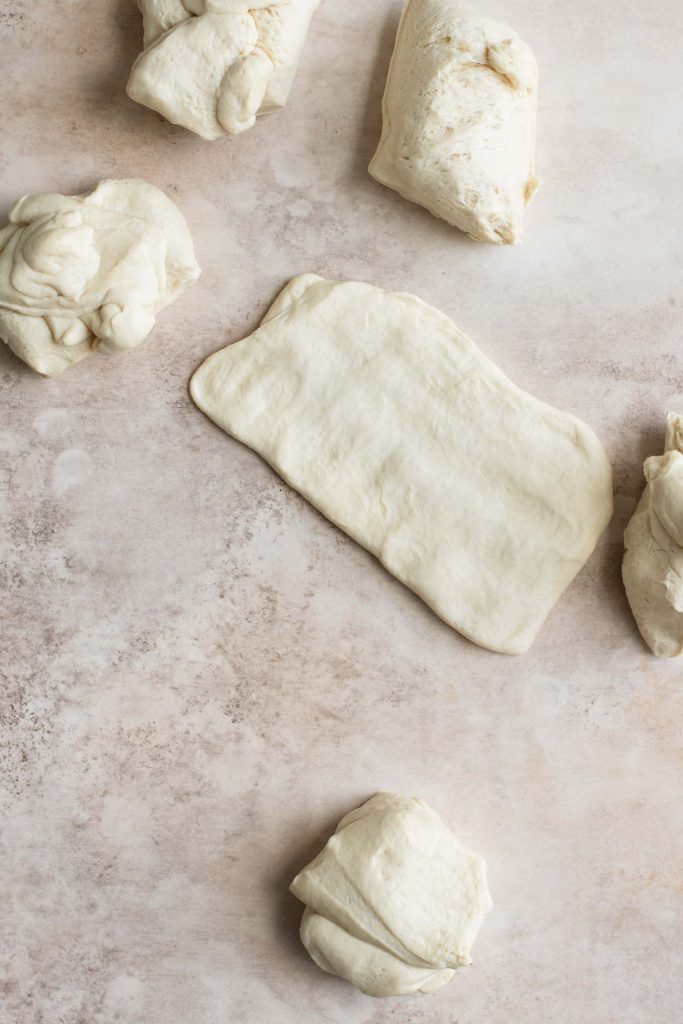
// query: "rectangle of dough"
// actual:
[[373, 405]]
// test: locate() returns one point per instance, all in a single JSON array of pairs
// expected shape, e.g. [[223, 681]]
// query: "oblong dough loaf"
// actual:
[[459, 119]]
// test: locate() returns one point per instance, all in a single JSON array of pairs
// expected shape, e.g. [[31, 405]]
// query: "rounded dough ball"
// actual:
[[394, 901]]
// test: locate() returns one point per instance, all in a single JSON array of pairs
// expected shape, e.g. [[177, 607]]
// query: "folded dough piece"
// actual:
[[653, 562], [79, 273], [459, 111], [213, 65], [395, 900], [388, 419]]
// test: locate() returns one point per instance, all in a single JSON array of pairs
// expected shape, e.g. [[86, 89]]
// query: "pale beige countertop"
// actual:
[[201, 675]]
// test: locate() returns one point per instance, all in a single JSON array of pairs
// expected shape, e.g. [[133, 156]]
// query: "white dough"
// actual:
[[653, 562], [388, 419], [214, 65], [395, 900], [459, 110], [87, 272]]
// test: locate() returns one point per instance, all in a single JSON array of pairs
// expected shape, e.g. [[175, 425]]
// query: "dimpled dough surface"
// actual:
[[374, 406]]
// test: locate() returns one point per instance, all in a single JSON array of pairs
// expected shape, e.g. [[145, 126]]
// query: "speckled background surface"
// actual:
[[200, 675]]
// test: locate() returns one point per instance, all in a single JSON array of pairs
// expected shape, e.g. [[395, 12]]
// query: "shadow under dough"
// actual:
[[287, 909], [106, 94], [370, 126]]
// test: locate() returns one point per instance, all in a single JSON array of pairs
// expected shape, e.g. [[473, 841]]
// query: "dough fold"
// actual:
[[653, 560], [79, 273], [459, 119], [394, 901], [387, 418], [213, 65]]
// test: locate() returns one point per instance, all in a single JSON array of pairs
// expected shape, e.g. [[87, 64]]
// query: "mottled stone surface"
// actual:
[[200, 675]]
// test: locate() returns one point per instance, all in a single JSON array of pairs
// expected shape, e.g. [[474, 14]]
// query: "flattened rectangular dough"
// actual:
[[373, 405]]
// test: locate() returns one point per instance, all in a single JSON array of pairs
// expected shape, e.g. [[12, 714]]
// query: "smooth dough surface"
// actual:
[[213, 65], [79, 273], [459, 119], [394, 901], [653, 561], [385, 416]]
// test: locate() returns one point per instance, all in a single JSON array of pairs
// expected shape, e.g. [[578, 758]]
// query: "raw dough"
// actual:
[[213, 65], [460, 119], [87, 272], [395, 900], [388, 419], [653, 563]]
